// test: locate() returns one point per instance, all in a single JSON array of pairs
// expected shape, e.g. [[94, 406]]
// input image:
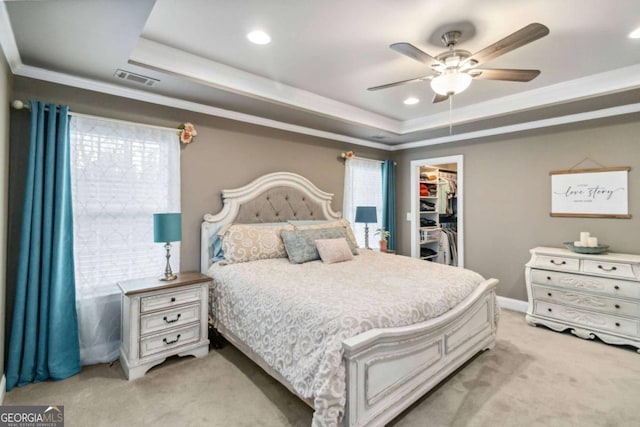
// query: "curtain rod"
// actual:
[[19, 105]]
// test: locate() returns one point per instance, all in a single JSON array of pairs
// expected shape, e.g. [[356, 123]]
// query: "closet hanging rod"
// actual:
[[19, 105]]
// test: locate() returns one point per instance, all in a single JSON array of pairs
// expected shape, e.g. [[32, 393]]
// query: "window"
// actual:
[[363, 187], [121, 174]]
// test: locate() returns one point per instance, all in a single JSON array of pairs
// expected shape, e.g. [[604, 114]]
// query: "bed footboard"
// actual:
[[389, 369]]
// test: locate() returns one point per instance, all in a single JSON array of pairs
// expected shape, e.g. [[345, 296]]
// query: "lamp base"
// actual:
[[168, 274]]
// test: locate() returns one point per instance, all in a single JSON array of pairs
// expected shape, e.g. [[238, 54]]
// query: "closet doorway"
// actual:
[[437, 189]]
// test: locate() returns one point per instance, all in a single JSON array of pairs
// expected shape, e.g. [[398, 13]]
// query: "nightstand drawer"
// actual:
[[159, 321], [558, 263], [615, 269], [169, 340], [169, 299]]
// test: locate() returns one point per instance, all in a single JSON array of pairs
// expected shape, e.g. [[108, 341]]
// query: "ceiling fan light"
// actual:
[[450, 83]]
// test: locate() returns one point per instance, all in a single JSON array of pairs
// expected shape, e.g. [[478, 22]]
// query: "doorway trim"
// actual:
[[415, 221]]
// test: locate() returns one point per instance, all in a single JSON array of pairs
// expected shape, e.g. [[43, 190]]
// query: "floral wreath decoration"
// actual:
[[187, 133]]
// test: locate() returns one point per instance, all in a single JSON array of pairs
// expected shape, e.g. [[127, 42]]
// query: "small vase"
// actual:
[[383, 246]]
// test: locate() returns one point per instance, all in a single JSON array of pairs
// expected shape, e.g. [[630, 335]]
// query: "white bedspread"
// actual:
[[295, 316]]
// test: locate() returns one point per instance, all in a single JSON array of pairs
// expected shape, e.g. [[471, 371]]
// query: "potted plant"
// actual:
[[384, 237]]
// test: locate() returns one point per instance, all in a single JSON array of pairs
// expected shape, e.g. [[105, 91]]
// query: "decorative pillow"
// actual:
[[334, 250], [337, 223], [251, 242], [301, 244]]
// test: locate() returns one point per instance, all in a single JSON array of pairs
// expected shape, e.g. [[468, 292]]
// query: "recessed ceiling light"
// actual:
[[411, 100], [635, 34], [259, 37]]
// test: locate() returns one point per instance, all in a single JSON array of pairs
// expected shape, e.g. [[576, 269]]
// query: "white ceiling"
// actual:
[[313, 76]]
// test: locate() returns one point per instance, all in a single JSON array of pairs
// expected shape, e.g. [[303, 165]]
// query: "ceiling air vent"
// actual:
[[136, 78]]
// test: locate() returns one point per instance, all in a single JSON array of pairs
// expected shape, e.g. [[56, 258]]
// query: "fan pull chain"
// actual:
[[450, 114]]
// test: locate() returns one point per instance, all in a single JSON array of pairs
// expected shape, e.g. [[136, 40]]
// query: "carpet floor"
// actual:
[[533, 377]]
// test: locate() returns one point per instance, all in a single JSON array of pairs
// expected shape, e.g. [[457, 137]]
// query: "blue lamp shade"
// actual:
[[167, 227], [366, 214]]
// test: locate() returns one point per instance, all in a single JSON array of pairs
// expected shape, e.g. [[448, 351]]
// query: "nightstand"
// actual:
[[162, 319]]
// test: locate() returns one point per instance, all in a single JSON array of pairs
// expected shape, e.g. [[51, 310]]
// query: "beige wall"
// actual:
[[507, 194], [225, 154], [5, 97]]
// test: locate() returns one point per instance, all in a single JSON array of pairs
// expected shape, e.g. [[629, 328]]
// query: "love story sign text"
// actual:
[[591, 193]]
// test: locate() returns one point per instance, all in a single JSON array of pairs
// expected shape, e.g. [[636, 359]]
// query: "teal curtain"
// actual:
[[389, 201], [44, 332]]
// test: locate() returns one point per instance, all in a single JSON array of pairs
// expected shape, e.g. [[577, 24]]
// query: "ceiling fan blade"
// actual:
[[413, 52], [502, 74], [439, 98], [403, 82], [513, 41]]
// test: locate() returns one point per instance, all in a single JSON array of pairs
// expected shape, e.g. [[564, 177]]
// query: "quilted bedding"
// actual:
[[295, 316]]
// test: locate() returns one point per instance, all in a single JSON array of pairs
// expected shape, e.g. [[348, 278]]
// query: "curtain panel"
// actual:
[[44, 333], [363, 187], [389, 201], [122, 173]]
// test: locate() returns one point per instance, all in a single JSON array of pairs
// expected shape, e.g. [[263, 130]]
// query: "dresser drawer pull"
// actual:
[[554, 262], [549, 310], [617, 306], [616, 287], [171, 342], [607, 269], [617, 324], [548, 294], [548, 277], [173, 299], [172, 320]]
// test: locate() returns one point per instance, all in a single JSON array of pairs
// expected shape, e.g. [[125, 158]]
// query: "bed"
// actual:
[[356, 340]]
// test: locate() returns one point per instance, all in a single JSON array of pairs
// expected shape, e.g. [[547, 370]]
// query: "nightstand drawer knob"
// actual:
[[549, 310], [617, 324], [173, 299], [171, 342], [548, 277], [172, 320], [554, 262], [607, 269], [548, 294], [617, 306]]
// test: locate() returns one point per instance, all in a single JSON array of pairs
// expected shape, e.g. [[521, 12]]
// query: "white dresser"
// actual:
[[592, 295], [162, 319]]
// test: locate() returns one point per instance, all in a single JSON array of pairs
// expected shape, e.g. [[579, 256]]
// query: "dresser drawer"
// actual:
[[588, 301], [558, 263], [588, 319], [614, 269], [169, 340], [611, 287], [169, 299], [159, 321]]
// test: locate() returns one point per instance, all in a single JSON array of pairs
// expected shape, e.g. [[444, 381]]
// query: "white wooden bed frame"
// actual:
[[387, 369]]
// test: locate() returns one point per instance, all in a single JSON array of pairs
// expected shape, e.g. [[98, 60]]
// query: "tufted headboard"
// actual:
[[275, 197]]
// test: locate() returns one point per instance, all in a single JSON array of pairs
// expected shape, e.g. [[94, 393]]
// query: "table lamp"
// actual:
[[167, 228], [367, 215]]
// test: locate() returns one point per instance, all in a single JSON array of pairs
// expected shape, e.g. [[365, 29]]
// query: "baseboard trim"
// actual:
[[3, 387], [513, 304]]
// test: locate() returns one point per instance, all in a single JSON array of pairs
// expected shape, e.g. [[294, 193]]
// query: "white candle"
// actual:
[[593, 242], [584, 238], [577, 244]]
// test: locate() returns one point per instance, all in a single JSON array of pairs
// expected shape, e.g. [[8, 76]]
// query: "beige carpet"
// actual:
[[533, 377]]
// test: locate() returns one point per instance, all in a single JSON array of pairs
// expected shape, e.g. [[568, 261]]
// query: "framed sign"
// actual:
[[590, 193]]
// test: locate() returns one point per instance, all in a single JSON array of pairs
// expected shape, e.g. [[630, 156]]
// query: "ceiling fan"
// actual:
[[454, 69]]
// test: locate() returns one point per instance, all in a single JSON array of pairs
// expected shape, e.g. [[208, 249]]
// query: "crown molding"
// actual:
[[8, 41]]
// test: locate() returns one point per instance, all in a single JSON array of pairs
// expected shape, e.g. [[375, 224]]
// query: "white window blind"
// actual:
[[121, 174], [363, 187]]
